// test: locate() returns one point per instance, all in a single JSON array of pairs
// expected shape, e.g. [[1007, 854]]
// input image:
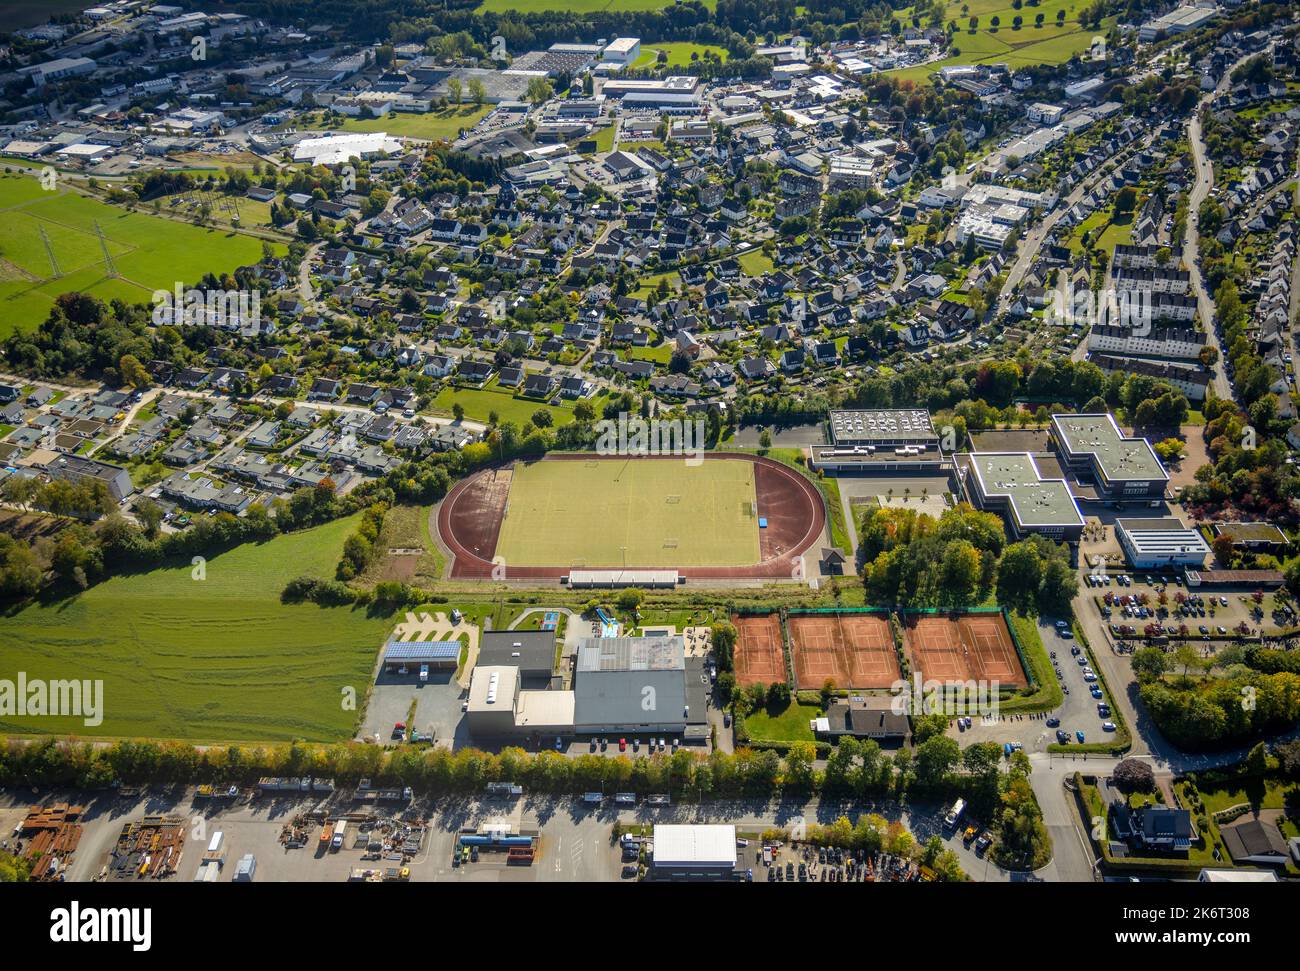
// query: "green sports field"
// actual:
[[657, 512], [217, 659], [149, 252]]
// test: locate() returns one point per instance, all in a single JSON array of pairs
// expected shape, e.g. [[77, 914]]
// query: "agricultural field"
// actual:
[[149, 252], [647, 513], [433, 125], [213, 659]]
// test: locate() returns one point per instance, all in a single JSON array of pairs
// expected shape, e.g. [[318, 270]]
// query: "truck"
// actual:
[[272, 784], [365, 875], [340, 830], [365, 793], [216, 792], [506, 789], [396, 874], [954, 814], [326, 835], [246, 868]]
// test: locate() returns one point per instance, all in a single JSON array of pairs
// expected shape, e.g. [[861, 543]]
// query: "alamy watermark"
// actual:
[[954, 698], [1115, 307], [25, 697], [651, 436]]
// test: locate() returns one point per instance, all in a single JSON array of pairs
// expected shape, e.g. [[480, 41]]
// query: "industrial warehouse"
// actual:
[[623, 685]]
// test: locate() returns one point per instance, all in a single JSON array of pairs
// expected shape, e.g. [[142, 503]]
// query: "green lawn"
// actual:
[[213, 659], [790, 725], [657, 353], [433, 125], [479, 404], [1024, 47], [149, 252], [604, 139], [642, 513], [679, 53], [756, 263]]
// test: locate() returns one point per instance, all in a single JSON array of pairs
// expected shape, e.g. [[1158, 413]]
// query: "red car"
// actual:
[[622, 744]]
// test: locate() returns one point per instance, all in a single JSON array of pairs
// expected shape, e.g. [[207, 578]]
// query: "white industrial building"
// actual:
[[693, 852], [337, 149], [676, 93], [622, 51], [1153, 543]]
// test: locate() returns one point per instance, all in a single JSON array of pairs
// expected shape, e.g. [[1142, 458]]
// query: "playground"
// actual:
[[760, 653], [963, 647], [542, 519], [853, 650]]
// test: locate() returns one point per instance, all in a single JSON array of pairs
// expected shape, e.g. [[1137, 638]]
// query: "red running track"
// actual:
[[469, 522]]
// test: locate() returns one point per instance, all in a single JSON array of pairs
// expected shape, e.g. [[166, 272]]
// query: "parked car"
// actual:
[[1079, 735]]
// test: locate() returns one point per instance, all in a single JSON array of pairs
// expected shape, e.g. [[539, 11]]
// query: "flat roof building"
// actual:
[[622, 50], [1093, 448], [491, 706], [1153, 543], [673, 93], [886, 440], [630, 683], [77, 470], [531, 651], [694, 851], [436, 654], [1011, 485]]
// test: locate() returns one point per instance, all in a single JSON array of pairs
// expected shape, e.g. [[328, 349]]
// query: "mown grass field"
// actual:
[[479, 404], [150, 252], [603, 513], [218, 659], [433, 125], [788, 725], [679, 53], [1052, 43]]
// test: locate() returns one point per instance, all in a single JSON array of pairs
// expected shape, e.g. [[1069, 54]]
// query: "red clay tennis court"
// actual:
[[963, 647], [760, 649], [853, 650]]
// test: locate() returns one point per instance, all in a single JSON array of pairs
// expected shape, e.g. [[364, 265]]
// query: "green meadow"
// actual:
[[1028, 45], [150, 252], [212, 659]]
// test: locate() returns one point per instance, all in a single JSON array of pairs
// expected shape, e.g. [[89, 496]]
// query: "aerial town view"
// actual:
[[662, 442]]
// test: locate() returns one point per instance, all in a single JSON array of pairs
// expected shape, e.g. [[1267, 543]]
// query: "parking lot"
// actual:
[[1078, 710], [1134, 606], [437, 710]]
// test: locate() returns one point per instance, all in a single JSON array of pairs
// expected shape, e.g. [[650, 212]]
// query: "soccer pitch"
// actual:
[[598, 513]]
